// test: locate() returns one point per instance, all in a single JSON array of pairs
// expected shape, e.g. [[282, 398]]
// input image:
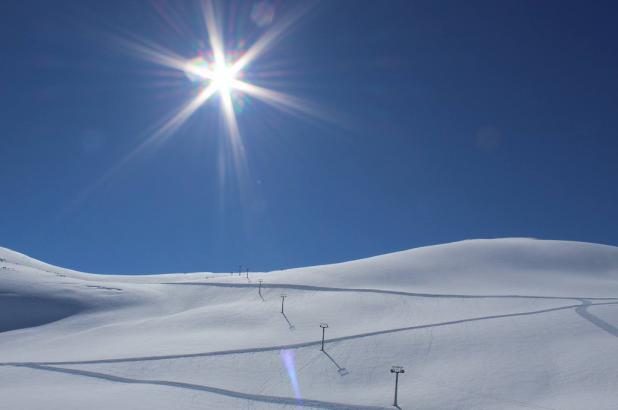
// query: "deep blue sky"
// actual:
[[452, 120]]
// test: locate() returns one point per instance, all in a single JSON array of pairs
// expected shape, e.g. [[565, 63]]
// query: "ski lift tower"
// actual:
[[283, 296], [397, 370], [323, 325]]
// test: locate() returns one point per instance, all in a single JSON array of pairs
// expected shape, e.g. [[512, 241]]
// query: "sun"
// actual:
[[228, 74], [219, 72], [223, 78], [219, 75]]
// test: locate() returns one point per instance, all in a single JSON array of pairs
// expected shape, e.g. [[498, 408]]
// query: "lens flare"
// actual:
[[219, 72], [287, 356]]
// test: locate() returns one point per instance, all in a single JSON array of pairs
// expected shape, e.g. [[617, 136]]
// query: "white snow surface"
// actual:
[[479, 324]]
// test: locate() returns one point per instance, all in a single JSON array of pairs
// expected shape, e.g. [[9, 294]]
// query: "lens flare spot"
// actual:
[[287, 356], [263, 13]]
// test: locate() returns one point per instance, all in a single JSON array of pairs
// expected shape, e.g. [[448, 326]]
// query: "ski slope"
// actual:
[[480, 324]]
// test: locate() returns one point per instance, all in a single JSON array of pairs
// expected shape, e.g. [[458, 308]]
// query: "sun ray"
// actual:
[[203, 72], [279, 100], [234, 138], [214, 35], [221, 75], [268, 38], [216, 72], [230, 115], [185, 112], [150, 51], [166, 129]]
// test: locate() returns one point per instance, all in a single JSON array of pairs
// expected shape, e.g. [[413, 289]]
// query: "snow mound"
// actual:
[[501, 323]]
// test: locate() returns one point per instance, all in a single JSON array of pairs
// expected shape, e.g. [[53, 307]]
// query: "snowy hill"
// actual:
[[482, 324]]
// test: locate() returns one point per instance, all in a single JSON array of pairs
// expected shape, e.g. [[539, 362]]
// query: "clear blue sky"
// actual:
[[451, 120]]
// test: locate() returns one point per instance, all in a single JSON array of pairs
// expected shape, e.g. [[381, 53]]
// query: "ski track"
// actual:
[[382, 291], [583, 312], [581, 308], [209, 389]]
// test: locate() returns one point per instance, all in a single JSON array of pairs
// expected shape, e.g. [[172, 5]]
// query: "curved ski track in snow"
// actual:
[[581, 308], [216, 390]]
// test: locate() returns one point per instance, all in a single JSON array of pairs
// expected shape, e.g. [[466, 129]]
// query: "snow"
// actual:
[[480, 324]]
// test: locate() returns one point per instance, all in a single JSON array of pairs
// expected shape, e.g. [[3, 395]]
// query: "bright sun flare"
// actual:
[[223, 78], [217, 73]]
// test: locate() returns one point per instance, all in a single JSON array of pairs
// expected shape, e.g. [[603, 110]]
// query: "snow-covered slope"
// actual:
[[483, 324]]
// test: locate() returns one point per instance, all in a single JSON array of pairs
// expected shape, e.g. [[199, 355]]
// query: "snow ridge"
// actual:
[[505, 323]]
